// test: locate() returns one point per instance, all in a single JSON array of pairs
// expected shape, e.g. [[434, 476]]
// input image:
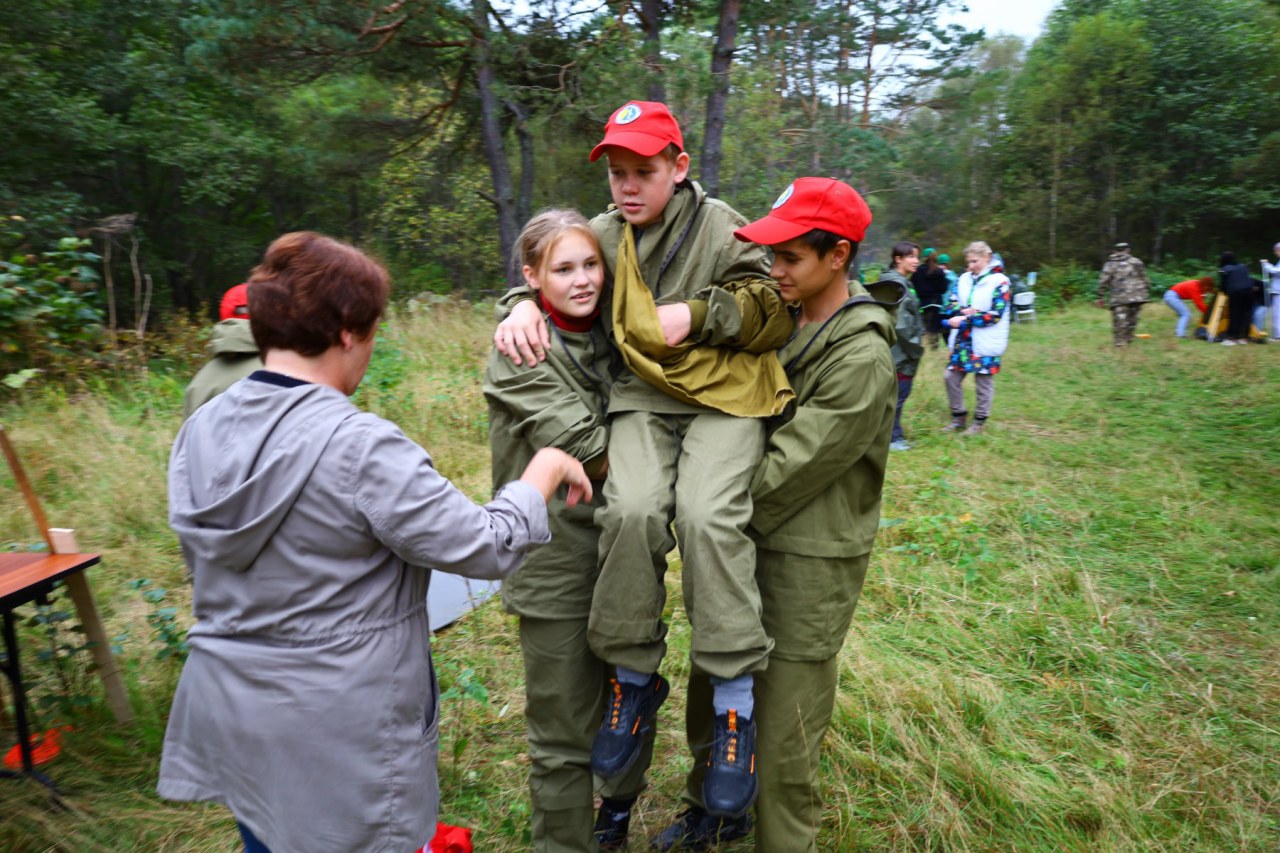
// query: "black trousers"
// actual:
[[1239, 313]]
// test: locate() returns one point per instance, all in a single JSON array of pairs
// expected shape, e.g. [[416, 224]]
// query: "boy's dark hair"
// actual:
[[903, 249], [823, 242], [1226, 259]]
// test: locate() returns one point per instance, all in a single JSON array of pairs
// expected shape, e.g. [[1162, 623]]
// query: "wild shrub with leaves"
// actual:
[[49, 314]]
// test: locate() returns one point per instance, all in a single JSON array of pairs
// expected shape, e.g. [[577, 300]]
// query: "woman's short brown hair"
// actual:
[[309, 289]]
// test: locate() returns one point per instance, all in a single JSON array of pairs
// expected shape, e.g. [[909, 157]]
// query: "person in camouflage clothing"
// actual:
[[1124, 281]]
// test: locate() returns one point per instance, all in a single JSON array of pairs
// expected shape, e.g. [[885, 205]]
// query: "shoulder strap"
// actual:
[[684, 235]]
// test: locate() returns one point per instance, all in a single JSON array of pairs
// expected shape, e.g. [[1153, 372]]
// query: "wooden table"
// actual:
[[30, 577]]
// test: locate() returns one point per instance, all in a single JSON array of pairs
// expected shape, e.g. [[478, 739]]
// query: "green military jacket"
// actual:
[[560, 402], [1124, 279], [687, 256], [907, 349], [235, 356], [817, 490]]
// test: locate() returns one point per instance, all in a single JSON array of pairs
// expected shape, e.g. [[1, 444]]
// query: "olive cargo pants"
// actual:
[[695, 470], [808, 605], [565, 690]]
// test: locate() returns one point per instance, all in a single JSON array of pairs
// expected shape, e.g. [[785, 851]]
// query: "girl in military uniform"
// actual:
[[561, 403]]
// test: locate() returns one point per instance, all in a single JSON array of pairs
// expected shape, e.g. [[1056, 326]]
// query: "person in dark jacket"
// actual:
[[907, 350], [930, 284], [1239, 287]]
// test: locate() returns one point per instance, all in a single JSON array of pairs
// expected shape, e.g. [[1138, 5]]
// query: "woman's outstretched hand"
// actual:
[[549, 468]]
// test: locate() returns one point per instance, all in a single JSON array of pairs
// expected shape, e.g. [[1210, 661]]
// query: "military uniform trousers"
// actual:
[[1124, 322], [695, 469], [565, 691], [808, 605]]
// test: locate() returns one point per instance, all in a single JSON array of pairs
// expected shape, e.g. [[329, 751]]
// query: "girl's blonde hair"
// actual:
[[977, 247], [544, 231]]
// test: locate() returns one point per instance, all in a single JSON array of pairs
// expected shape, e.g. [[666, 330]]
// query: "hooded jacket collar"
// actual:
[[872, 307]]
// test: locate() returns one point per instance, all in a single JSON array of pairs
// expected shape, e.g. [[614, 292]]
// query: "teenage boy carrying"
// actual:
[[816, 497], [697, 321]]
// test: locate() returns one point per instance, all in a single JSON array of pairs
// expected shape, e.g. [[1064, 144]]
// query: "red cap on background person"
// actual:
[[645, 127], [807, 204], [235, 303]]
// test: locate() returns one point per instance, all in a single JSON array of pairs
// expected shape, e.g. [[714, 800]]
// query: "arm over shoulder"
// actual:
[[747, 315]]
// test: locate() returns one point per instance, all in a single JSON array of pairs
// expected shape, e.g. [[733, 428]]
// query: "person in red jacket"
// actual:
[[1193, 289]]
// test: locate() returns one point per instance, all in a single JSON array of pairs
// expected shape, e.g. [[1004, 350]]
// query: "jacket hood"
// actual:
[[240, 462], [871, 308], [232, 337], [890, 274]]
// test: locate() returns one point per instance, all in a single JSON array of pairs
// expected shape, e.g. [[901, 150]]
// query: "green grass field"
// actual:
[[1069, 637]]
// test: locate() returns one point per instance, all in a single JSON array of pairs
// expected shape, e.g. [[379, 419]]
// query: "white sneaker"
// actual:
[[900, 444], [1228, 343]]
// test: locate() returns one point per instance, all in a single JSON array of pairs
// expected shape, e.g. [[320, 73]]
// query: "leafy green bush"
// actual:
[[1067, 283], [1073, 281], [49, 314]]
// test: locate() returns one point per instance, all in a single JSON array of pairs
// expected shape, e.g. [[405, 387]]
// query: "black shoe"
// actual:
[[629, 716], [697, 830], [729, 787], [612, 822]]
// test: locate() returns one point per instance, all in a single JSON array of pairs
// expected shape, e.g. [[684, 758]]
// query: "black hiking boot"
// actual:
[[697, 830], [729, 788], [612, 823], [629, 716]]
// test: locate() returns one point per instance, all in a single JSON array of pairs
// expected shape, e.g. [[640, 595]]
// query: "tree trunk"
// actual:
[[1157, 249], [721, 60], [1053, 193], [524, 199], [651, 23], [503, 198]]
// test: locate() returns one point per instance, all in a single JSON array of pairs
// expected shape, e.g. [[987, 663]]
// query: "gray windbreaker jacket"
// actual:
[[308, 703]]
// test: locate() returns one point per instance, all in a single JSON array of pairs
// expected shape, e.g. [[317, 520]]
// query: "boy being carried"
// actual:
[[697, 322]]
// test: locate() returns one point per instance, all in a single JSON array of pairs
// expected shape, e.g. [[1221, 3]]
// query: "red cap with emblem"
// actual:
[[235, 303], [807, 204], [645, 127]]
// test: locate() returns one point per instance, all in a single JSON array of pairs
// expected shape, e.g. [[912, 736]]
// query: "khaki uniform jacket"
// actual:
[[907, 349], [1124, 279], [817, 490], [688, 256], [560, 403], [235, 356]]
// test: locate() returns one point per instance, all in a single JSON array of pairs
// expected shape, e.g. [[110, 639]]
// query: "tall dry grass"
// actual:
[[1067, 641]]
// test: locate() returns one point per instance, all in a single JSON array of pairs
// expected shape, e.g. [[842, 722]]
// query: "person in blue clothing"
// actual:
[[977, 312]]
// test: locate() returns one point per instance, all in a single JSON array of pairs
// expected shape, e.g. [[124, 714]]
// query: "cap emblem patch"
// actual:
[[628, 114], [782, 199]]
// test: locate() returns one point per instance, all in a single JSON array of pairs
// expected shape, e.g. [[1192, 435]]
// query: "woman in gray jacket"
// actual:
[[308, 705]]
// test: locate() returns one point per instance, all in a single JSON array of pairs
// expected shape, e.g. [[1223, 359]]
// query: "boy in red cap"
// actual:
[[697, 322], [233, 350], [816, 504]]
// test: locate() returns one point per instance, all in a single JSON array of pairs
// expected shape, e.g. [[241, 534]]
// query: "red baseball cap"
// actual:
[[807, 204], [645, 127], [235, 303]]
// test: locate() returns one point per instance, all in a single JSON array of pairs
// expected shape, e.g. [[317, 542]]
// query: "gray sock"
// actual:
[[735, 694], [630, 676]]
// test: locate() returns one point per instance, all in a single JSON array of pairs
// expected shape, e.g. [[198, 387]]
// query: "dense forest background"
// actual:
[[174, 140]]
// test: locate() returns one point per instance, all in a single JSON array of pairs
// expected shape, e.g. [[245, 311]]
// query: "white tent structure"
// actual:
[[451, 596]]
